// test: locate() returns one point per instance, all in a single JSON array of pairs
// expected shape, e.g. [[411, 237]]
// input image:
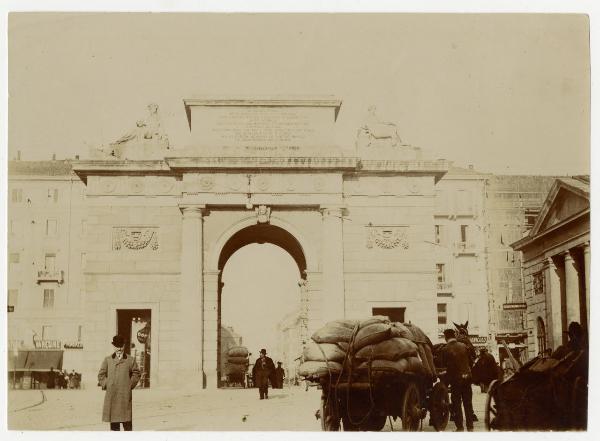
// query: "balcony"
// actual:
[[465, 248], [45, 276], [444, 287]]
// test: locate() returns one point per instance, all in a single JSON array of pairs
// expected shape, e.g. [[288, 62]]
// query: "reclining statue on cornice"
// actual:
[[144, 142]]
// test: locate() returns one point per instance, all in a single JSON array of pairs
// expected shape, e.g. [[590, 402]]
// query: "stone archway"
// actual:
[[257, 234]]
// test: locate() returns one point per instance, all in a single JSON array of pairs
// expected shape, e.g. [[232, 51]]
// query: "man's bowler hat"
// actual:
[[118, 341]]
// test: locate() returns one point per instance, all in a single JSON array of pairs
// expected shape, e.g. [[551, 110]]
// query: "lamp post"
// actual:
[[15, 357]]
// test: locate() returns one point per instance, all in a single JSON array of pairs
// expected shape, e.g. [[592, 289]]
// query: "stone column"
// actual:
[[553, 304], [572, 289], [333, 265], [211, 328], [587, 275], [191, 302]]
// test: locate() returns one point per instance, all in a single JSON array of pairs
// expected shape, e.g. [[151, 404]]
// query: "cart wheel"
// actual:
[[579, 403], [330, 420], [491, 406], [410, 412], [439, 406], [348, 426]]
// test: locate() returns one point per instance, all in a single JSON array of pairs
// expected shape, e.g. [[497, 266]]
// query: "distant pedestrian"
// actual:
[[484, 370], [279, 376], [262, 371], [456, 358], [51, 383], [118, 375]]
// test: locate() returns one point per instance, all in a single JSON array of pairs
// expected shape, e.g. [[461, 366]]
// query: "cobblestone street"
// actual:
[[224, 410]]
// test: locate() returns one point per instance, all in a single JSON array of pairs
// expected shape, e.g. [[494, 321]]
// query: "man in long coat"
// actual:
[[118, 375], [261, 372]]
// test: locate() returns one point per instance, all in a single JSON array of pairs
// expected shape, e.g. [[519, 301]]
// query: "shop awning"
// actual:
[[35, 361]]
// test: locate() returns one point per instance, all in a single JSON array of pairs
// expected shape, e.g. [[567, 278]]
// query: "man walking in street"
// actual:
[[279, 376], [455, 356], [261, 372], [118, 375]]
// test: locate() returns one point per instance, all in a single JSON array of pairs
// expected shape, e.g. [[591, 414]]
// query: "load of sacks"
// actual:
[[374, 344], [237, 359]]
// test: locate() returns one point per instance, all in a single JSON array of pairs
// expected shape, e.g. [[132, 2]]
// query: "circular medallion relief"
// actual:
[[235, 183], [262, 183], [136, 185], [207, 182], [108, 185], [414, 188], [165, 185]]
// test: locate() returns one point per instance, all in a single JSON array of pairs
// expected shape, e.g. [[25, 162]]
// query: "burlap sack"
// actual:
[[235, 369], [423, 356], [418, 335], [238, 351], [343, 345], [319, 368], [346, 323], [399, 330], [391, 349], [374, 319], [332, 334], [405, 365], [237, 360], [371, 334], [323, 352]]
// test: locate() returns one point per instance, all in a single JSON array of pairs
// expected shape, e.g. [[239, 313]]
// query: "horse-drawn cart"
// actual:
[[380, 370], [366, 403], [544, 394]]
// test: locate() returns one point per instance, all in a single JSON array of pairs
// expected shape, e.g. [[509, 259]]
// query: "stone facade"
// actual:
[[556, 262]]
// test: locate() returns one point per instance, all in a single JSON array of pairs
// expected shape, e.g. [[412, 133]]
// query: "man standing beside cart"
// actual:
[[455, 356]]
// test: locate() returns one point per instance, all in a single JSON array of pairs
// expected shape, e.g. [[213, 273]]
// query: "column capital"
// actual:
[[193, 210], [585, 246], [567, 255], [550, 262]]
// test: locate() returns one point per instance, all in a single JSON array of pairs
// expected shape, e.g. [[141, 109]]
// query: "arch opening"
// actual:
[[259, 291]]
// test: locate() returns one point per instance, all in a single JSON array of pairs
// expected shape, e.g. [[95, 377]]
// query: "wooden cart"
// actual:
[[364, 401]]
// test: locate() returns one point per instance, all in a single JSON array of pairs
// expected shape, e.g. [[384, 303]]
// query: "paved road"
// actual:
[[154, 409]]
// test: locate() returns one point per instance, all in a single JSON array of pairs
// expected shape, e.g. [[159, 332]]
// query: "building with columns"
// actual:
[[556, 264]]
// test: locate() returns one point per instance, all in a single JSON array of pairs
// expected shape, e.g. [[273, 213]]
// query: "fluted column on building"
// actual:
[[572, 289], [333, 264], [553, 303], [587, 275], [191, 301]]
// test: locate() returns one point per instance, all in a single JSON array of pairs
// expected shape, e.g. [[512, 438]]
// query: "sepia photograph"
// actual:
[[306, 222]]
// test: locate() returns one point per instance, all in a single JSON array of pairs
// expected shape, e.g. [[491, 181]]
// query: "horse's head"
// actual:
[[462, 329]]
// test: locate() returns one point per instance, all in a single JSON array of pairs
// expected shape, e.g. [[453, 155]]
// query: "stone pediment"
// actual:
[[567, 198]]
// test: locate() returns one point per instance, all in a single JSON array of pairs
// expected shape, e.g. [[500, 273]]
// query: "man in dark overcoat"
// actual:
[[261, 372], [279, 376], [118, 375], [455, 356]]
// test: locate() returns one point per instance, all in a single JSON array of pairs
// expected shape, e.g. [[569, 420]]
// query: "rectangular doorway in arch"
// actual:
[[134, 326]]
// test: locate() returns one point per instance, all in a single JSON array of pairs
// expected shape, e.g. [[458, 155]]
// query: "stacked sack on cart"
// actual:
[[237, 360], [373, 345]]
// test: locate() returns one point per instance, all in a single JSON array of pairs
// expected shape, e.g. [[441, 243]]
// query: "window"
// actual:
[[541, 336], [464, 233], [439, 234], [441, 272], [17, 195], [538, 283], [50, 262], [47, 332], [51, 227], [442, 310], [53, 194], [48, 299], [394, 314], [14, 258], [13, 297]]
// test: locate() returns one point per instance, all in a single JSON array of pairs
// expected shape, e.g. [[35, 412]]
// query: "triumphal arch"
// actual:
[[162, 222]]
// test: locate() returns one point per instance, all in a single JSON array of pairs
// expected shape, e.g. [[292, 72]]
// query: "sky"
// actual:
[[256, 297], [507, 93]]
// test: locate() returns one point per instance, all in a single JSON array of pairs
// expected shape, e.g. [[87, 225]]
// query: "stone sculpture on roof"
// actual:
[[376, 137], [143, 142]]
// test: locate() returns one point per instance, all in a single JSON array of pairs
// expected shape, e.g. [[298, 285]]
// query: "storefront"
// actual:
[[29, 368]]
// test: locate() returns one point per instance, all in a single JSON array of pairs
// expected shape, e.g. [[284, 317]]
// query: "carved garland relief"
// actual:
[[135, 238], [387, 237]]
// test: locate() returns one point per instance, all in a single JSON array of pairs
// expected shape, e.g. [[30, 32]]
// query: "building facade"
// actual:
[[512, 204], [556, 262]]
